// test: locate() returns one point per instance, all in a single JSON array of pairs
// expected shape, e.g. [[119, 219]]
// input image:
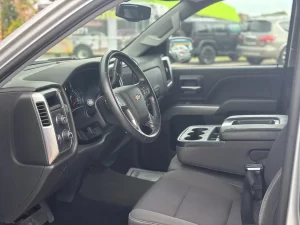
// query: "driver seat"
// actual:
[[190, 197]]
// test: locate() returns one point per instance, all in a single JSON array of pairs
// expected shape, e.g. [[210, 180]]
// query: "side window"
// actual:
[[202, 28], [234, 28], [238, 33], [220, 28]]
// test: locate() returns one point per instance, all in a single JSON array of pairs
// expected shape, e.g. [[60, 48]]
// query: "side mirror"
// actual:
[[133, 12], [180, 49]]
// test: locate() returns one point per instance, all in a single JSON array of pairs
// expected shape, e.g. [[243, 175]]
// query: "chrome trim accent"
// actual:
[[64, 107], [191, 88], [48, 132], [131, 118], [167, 59]]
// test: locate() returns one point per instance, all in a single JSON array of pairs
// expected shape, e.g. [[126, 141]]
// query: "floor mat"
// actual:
[[105, 198], [84, 211], [114, 188], [145, 174]]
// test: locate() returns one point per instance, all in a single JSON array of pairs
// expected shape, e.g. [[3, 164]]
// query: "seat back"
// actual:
[[262, 212], [276, 156]]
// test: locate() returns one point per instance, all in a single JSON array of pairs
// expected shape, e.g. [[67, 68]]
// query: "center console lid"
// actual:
[[252, 128]]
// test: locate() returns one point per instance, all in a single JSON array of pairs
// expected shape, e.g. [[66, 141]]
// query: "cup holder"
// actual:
[[193, 138], [195, 134]]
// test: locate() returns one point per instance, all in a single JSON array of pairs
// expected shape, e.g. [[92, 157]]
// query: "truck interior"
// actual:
[[127, 138]]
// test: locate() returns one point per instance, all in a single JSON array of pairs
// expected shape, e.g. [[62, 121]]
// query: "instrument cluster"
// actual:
[[82, 89]]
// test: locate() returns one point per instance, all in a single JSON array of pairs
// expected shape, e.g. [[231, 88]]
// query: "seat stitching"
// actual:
[[235, 185], [144, 221], [182, 201], [153, 223]]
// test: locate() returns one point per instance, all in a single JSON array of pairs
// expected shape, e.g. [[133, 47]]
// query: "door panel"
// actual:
[[202, 96], [223, 92], [221, 84]]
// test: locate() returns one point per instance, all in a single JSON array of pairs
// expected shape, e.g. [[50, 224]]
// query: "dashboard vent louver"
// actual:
[[43, 113], [168, 70]]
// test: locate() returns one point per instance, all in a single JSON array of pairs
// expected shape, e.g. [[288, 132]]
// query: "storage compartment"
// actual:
[[228, 147], [252, 127], [255, 121]]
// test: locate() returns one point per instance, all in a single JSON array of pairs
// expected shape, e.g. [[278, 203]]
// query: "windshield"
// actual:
[[104, 33]]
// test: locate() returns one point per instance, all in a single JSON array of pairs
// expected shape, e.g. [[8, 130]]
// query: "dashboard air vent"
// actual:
[[168, 70], [43, 113]]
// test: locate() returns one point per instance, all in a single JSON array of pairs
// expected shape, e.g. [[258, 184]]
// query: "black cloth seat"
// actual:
[[189, 197], [192, 196], [175, 164], [232, 179]]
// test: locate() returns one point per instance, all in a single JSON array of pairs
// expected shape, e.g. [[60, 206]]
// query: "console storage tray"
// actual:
[[228, 147]]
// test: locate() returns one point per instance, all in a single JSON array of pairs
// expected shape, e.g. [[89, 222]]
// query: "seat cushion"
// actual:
[[175, 164], [233, 179], [187, 197]]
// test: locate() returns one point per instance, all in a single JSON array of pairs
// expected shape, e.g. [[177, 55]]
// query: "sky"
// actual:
[[257, 7]]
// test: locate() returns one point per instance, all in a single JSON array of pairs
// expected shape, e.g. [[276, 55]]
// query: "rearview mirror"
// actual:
[[133, 12]]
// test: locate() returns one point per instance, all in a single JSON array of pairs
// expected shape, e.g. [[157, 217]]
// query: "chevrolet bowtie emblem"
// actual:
[[137, 97]]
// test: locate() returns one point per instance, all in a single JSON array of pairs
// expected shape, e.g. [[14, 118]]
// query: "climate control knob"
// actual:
[[61, 119], [67, 135]]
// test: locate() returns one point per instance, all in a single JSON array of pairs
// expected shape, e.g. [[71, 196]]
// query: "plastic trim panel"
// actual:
[[49, 135]]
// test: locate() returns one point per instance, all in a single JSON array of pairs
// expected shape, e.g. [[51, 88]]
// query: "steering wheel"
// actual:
[[134, 106]]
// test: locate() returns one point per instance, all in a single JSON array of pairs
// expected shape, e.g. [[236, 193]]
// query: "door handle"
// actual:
[[190, 88]]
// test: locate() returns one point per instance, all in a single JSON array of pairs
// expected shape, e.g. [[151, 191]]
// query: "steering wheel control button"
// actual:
[[61, 119], [67, 135], [145, 90], [90, 102]]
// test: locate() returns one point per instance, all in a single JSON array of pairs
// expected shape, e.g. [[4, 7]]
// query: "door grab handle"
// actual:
[[190, 88]]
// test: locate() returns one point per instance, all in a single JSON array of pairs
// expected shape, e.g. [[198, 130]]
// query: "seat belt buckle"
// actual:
[[254, 177], [254, 167]]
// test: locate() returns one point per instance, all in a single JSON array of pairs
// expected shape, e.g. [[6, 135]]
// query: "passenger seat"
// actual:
[[191, 196]]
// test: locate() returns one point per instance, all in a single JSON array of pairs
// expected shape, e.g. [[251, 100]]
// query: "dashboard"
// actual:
[[56, 123]]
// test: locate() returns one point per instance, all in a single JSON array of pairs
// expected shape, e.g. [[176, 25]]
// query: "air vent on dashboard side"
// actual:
[[168, 70], [43, 113]]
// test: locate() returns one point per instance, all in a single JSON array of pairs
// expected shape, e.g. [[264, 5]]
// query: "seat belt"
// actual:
[[254, 190], [255, 178]]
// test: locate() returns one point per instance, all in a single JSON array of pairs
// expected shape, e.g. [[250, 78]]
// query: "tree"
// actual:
[[15, 13], [9, 14]]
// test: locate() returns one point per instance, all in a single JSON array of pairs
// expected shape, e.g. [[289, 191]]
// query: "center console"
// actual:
[[228, 147]]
